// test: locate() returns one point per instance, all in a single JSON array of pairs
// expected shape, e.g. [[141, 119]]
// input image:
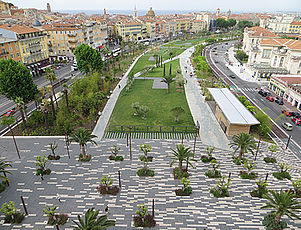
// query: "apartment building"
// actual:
[[279, 23], [32, 44], [9, 49], [130, 30], [197, 26], [95, 33], [295, 28]]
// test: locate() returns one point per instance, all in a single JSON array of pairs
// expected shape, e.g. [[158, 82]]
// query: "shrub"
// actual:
[[246, 175], [209, 157], [179, 175], [213, 174], [142, 218], [282, 175], [115, 150], [270, 160], [51, 157], [222, 187], [3, 186], [237, 161], [186, 190], [111, 190], [270, 224], [117, 158], [35, 119], [11, 214], [145, 172]]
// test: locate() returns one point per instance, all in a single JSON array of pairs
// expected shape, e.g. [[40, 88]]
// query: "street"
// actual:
[[250, 89]]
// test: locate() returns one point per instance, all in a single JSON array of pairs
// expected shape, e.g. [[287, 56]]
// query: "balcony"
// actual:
[[254, 48], [3, 53], [72, 41], [71, 35]]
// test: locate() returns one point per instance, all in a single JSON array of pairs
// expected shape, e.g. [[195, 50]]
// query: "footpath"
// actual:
[[210, 132]]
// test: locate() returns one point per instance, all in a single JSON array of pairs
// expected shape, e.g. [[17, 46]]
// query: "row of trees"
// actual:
[[225, 24]]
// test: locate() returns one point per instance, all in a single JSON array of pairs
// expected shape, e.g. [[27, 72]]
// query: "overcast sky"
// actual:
[[195, 5]]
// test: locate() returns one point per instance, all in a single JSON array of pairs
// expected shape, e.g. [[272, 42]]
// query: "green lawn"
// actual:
[[142, 63], [159, 102], [158, 72]]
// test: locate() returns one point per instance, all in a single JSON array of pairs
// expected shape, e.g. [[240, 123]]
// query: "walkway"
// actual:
[[106, 113], [210, 131]]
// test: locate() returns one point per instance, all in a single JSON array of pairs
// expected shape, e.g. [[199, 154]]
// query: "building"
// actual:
[[32, 44], [48, 8], [4, 6], [9, 48], [279, 23], [295, 28], [130, 30], [287, 87], [150, 14], [233, 117], [197, 26]]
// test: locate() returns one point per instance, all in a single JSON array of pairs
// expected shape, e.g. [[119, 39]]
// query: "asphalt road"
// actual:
[[250, 89]]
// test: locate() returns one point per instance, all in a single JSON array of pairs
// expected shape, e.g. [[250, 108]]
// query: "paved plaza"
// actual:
[[76, 183]]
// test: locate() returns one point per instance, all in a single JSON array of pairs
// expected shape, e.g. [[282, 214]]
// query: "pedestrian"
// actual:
[[119, 86], [58, 198], [42, 178], [107, 210]]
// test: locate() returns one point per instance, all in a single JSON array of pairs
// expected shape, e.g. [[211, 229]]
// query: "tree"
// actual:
[[144, 110], [243, 142], [50, 76], [163, 70], [181, 154], [265, 123], [88, 59], [51, 99], [231, 22], [177, 111], [282, 204], [170, 70], [16, 81], [20, 102], [3, 169], [53, 147], [242, 56], [243, 24], [82, 136], [66, 95], [136, 106], [91, 221], [168, 80]]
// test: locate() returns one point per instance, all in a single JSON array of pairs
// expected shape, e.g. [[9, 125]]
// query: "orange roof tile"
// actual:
[[257, 31], [296, 23], [290, 43], [20, 29]]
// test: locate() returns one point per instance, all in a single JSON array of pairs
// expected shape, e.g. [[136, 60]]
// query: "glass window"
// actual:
[[281, 61], [275, 60], [266, 53]]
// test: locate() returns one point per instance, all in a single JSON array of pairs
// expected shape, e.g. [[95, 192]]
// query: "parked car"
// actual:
[[260, 91], [270, 98], [296, 121], [279, 101], [297, 115], [232, 76], [265, 94], [287, 126], [10, 112]]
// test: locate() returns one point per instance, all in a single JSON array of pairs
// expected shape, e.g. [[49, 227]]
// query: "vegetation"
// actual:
[[106, 187], [261, 189], [177, 112], [83, 136], [214, 173], [143, 218], [181, 154], [115, 150], [225, 24], [145, 171], [282, 204], [11, 214], [4, 165], [271, 159], [246, 103], [209, 157], [186, 190], [41, 163], [243, 143], [241, 56], [92, 221], [222, 187], [168, 79], [53, 146], [53, 218], [249, 165], [283, 174]]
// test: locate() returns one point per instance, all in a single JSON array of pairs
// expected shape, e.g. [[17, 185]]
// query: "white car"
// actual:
[[287, 126]]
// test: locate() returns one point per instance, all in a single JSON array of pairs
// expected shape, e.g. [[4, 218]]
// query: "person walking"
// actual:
[[107, 210], [58, 198]]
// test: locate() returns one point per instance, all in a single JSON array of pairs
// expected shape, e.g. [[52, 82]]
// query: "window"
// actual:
[[266, 53], [275, 60], [281, 61], [17, 47], [12, 56], [11, 49], [300, 65], [18, 54]]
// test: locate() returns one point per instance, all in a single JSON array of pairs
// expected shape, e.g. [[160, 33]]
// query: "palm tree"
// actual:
[[181, 154], [19, 102], [66, 95], [168, 80], [282, 203], [50, 76], [82, 136], [3, 165], [92, 222], [243, 142], [50, 90]]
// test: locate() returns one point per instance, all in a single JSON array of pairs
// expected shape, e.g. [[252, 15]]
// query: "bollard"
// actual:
[[119, 179], [153, 208], [266, 178], [24, 206]]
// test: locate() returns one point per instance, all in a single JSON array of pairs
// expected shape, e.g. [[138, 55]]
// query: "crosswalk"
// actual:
[[246, 89], [150, 135]]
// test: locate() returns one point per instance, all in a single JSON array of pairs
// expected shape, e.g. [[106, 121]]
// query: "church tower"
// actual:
[[135, 15], [48, 8], [218, 12]]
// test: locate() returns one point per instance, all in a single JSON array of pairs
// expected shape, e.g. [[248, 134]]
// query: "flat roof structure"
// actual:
[[232, 108]]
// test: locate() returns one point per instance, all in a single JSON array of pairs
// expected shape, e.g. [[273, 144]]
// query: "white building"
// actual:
[[279, 23]]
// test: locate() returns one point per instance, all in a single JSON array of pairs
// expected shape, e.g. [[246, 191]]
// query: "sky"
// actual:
[[193, 5]]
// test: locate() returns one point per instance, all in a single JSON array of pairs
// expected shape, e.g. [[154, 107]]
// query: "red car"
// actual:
[[270, 98], [297, 121], [10, 112]]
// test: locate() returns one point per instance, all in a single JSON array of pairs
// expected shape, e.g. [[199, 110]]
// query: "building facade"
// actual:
[[130, 30], [9, 49]]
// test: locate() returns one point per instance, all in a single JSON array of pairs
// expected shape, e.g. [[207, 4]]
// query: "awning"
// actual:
[[100, 47], [46, 67]]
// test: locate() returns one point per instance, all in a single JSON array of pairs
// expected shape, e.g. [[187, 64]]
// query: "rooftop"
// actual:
[[290, 43], [19, 29], [232, 108], [257, 31]]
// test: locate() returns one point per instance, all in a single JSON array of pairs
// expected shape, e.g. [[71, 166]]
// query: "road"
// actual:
[[216, 59]]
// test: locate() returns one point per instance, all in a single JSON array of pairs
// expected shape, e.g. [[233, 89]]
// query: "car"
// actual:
[[260, 91], [10, 112], [279, 101], [297, 115], [232, 76], [296, 121], [287, 126], [270, 98], [290, 114]]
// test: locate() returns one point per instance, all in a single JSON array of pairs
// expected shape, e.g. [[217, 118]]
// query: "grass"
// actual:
[[158, 72], [159, 102], [142, 63]]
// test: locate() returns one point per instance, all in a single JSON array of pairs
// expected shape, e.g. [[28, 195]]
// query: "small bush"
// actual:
[[246, 175], [117, 158], [270, 224], [182, 192], [111, 190], [148, 221], [219, 192], [146, 159], [86, 159], [207, 159], [270, 160], [237, 161], [180, 175], [145, 172], [3, 186], [51, 157], [15, 218], [213, 174], [43, 172], [282, 175]]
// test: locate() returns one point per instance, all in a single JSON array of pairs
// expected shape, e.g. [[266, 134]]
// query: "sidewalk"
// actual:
[[238, 69], [210, 131], [103, 120]]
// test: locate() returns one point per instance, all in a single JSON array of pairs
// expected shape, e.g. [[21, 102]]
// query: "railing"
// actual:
[[151, 129]]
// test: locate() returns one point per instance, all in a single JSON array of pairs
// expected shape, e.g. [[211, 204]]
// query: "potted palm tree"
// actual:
[[282, 204], [92, 221], [3, 170], [106, 187], [243, 143], [186, 190], [181, 154], [83, 136]]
